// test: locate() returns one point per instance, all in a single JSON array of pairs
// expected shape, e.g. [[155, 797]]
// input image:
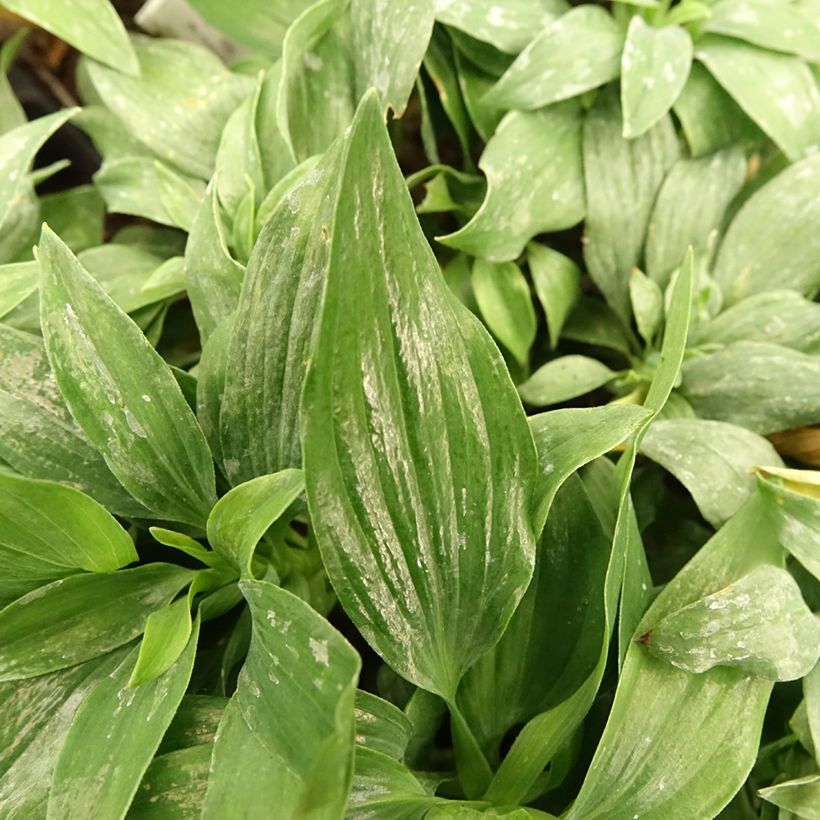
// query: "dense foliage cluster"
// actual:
[[286, 527]]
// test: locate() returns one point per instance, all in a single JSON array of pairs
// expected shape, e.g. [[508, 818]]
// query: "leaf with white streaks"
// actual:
[[405, 417], [121, 391]]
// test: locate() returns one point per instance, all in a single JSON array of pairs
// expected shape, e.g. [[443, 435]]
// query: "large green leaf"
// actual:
[[113, 738], [679, 745], [503, 296], [80, 617], [295, 698], [405, 418], [577, 52], [798, 798], [76, 215], [534, 183], [773, 241], [509, 27], [177, 105], [759, 624], [122, 392], [691, 205], [654, 67], [35, 716], [38, 437], [761, 386], [776, 90], [274, 328], [711, 459], [48, 531], [781, 27], [243, 515], [781, 317], [91, 26], [617, 171]]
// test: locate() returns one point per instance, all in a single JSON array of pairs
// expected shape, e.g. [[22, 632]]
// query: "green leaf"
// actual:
[[91, 26], [777, 91], [39, 437], [534, 183], [623, 178], [173, 786], [80, 617], [799, 797], [567, 439], [564, 378], [641, 766], [316, 97], [579, 51], [759, 624], [179, 198], [259, 421], [381, 726], [781, 317], [177, 105], [773, 240], [12, 114], [711, 459], [503, 296], [508, 28], [244, 773], [167, 631], [49, 531], [243, 515], [385, 789], [294, 651], [690, 206], [213, 276], [389, 42], [647, 304], [122, 392], [557, 281], [76, 216], [474, 83], [35, 716], [593, 322], [763, 387], [654, 67], [17, 282], [417, 372], [114, 737], [783, 27], [711, 119]]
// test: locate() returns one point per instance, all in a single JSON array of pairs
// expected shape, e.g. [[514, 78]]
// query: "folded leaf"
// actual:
[[48, 531], [91, 26], [557, 282], [177, 105], [243, 515], [690, 206], [508, 28], [381, 726], [534, 183], [564, 378], [81, 617], [17, 282], [800, 797], [619, 171], [777, 91], [712, 459], [405, 418], [654, 67], [167, 631], [114, 737], [763, 387], [503, 296], [773, 241], [758, 624], [579, 51], [122, 392], [647, 304]]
